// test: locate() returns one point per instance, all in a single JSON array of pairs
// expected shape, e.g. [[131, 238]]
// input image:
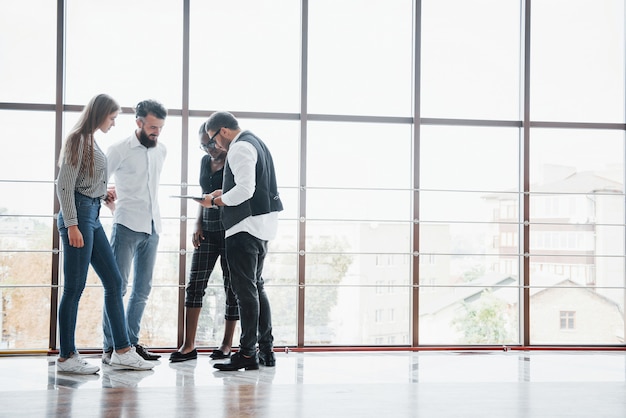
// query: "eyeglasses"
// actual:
[[207, 146], [212, 139], [211, 144]]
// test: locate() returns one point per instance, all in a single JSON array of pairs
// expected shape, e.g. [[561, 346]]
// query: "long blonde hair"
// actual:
[[93, 116]]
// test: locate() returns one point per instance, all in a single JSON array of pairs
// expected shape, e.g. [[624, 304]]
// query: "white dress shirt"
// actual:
[[137, 173], [241, 158]]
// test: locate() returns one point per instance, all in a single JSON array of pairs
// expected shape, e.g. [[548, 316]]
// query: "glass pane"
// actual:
[[286, 240], [574, 315], [469, 158], [466, 269], [132, 56], [25, 318], [577, 240], [264, 41], [387, 269], [357, 315], [579, 209], [467, 238], [19, 233], [594, 274], [280, 268], [159, 323], [354, 155], [474, 314], [359, 205], [37, 202], [468, 206], [24, 268], [382, 241], [36, 149], [284, 305], [360, 57], [166, 268], [470, 59], [171, 138], [576, 161], [89, 320], [577, 68], [28, 53]]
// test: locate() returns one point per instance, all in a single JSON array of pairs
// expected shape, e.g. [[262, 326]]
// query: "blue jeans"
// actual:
[[139, 250], [245, 255], [96, 252]]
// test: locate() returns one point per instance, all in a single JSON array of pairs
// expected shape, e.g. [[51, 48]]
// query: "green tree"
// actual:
[[326, 266], [474, 273], [485, 321]]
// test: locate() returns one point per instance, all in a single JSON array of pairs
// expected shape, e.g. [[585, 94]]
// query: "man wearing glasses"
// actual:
[[136, 164], [251, 204]]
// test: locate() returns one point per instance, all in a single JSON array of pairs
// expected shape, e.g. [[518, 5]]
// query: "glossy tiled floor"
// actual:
[[356, 384]]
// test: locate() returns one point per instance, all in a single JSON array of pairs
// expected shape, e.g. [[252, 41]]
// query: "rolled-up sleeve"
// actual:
[[66, 185], [242, 157]]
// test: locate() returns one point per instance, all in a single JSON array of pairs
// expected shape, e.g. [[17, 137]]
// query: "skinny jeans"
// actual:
[[76, 261]]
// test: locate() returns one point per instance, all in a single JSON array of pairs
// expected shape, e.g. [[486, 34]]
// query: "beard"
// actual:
[[145, 140]]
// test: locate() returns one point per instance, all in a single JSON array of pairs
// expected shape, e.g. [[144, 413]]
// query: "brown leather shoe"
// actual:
[[145, 354]]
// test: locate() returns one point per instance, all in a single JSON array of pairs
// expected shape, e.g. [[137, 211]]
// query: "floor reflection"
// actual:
[[329, 384]]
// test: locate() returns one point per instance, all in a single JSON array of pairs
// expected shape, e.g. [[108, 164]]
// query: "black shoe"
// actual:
[[145, 354], [238, 361], [267, 358], [219, 354], [177, 356]]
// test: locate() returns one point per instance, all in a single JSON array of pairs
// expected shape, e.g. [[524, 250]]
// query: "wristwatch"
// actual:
[[213, 202]]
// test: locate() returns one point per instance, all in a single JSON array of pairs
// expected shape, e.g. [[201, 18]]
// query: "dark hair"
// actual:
[[202, 129], [144, 108], [221, 120]]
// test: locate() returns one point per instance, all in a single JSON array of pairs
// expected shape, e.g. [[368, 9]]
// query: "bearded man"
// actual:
[[136, 163]]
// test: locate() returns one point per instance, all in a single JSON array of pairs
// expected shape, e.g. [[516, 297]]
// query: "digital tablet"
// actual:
[[188, 197]]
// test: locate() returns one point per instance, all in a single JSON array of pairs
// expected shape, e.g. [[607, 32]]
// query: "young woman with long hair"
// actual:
[[81, 186]]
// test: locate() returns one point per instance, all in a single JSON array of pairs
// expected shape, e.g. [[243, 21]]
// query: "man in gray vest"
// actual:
[[251, 204]]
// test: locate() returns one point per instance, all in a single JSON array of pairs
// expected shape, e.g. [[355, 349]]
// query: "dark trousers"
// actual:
[[202, 264], [245, 255]]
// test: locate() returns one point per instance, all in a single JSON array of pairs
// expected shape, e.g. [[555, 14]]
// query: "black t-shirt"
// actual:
[[211, 218]]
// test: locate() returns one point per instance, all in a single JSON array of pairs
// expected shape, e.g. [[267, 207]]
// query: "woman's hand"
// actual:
[[75, 236], [197, 236]]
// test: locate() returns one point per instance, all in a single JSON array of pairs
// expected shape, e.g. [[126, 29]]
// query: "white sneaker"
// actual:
[[130, 360], [76, 364], [106, 357]]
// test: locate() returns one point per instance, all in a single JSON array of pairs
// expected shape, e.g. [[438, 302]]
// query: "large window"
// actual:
[[452, 171]]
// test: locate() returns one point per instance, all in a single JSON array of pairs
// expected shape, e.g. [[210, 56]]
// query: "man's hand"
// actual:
[[208, 198], [109, 201]]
